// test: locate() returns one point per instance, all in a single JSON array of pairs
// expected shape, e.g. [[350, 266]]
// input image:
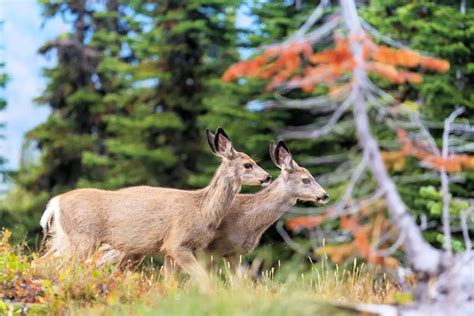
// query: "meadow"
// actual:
[[31, 286]]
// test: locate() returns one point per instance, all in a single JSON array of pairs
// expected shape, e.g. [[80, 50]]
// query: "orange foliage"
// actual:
[[278, 63], [434, 64], [396, 159], [364, 234], [403, 57], [306, 222], [386, 71], [295, 64]]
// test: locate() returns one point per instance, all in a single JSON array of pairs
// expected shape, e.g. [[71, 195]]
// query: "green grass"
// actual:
[[79, 288]]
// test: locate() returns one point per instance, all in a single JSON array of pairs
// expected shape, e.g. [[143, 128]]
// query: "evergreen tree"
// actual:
[[75, 89], [242, 115], [156, 137], [132, 82]]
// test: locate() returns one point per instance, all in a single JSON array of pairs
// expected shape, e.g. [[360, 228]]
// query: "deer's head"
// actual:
[[243, 167], [298, 180]]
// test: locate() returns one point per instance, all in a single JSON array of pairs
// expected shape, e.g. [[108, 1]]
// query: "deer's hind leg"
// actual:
[[109, 255]]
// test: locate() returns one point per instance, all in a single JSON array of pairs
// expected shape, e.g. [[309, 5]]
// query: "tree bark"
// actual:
[[422, 257]]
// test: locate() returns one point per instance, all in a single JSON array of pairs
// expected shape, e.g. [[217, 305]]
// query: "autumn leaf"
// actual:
[[306, 222]]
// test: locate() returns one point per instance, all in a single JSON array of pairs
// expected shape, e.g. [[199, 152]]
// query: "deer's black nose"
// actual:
[[267, 180], [325, 197]]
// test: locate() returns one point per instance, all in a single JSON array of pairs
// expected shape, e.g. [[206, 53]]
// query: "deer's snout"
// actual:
[[267, 180], [324, 198]]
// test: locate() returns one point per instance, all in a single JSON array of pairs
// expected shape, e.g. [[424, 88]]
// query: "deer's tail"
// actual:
[[51, 212]]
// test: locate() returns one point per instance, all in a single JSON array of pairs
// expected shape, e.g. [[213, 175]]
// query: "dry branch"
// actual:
[[445, 180], [422, 256]]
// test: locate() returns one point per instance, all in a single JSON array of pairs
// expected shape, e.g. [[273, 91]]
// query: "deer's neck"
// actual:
[[218, 196], [267, 206]]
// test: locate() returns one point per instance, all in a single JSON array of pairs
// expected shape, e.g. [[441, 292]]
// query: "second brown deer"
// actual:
[[252, 214], [140, 221]]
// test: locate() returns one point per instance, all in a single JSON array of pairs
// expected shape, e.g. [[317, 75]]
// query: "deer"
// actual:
[[252, 214], [140, 221]]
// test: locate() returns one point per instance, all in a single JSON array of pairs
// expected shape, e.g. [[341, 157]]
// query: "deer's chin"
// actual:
[[315, 200], [254, 183], [265, 184], [322, 201]]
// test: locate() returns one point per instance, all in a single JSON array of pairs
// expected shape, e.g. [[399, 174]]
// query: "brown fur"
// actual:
[[140, 221], [252, 214]]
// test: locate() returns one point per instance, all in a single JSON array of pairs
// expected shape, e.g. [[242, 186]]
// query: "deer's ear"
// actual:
[[223, 145], [272, 151], [210, 140], [283, 157]]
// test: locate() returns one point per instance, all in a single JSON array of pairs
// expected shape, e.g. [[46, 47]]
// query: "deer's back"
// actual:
[[133, 220]]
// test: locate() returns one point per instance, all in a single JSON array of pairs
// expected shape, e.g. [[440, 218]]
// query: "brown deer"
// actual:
[[141, 221], [251, 214]]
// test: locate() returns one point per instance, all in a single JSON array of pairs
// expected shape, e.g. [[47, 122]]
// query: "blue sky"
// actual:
[[20, 38]]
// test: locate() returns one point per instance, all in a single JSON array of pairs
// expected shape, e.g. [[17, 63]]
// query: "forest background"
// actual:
[[135, 84]]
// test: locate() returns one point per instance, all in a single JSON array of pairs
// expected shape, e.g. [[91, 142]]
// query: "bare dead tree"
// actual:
[[445, 281]]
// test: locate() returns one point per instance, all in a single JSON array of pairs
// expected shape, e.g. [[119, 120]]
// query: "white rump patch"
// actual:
[[51, 210]]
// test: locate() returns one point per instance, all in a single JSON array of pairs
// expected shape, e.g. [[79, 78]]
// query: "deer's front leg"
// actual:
[[170, 268], [185, 258]]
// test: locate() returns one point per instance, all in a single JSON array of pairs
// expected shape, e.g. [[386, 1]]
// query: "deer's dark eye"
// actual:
[[248, 165], [306, 180]]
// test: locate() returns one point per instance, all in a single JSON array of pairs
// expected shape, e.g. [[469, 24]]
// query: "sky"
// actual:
[[21, 35]]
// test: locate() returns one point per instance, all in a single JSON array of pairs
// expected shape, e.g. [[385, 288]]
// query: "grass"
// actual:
[[37, 287]]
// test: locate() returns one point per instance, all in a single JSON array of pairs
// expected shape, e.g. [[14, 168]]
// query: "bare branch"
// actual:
[[394, 247], [312, 19], [447, 129], [423, 257], [301, 104], [342, 173], [445, 180], [324, 129], [326, 159], [356, 206], [295, 246], [462, 147], [465, 230], [455, 128], [324, 30], [427, 176], [382, 111], [382, 37], [350, 187], [424, 131], [367, 84]]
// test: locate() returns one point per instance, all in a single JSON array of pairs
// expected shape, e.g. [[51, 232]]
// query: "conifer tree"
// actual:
[[156, 136], [74, 92], [127, 95]]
